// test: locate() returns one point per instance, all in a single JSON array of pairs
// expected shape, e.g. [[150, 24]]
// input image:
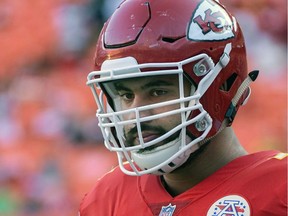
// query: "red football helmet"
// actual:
[[196, 40]]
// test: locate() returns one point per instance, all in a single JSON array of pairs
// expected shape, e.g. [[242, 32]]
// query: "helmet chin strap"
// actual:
[[154, 158], [231, 112]]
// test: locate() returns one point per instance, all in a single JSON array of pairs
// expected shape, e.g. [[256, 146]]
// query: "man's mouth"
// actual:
[[147, 137], [148, 134]]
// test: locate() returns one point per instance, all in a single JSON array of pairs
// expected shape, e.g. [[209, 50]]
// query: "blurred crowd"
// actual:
[[51, 150]]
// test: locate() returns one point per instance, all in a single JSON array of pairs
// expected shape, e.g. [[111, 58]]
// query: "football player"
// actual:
[[169, 79]]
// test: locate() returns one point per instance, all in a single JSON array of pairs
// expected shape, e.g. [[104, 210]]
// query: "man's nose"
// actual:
[[140, 108]]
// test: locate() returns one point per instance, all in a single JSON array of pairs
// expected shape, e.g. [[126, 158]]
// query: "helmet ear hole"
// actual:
[[226, 86]]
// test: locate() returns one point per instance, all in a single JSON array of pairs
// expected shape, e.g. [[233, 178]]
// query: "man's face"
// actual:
[[138, 92]]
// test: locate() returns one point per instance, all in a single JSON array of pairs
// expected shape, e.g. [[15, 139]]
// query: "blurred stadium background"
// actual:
[[51, 151]]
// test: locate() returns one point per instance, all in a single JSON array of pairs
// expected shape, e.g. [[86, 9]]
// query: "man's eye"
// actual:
[[158, 92], [126, 96]]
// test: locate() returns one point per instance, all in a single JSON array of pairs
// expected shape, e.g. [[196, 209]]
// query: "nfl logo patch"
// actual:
[[167, 210]]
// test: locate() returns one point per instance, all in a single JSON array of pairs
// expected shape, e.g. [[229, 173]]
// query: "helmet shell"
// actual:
[[156, 31]]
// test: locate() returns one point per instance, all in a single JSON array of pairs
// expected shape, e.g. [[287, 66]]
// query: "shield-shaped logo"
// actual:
[[167, 210]]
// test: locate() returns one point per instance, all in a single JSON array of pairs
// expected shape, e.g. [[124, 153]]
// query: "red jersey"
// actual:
[[254, 184]]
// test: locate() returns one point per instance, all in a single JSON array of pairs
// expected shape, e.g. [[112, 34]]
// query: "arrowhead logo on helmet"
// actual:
[[210, 22]]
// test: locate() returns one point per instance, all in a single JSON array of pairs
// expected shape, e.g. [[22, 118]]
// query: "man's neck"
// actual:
[[223, 149]]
